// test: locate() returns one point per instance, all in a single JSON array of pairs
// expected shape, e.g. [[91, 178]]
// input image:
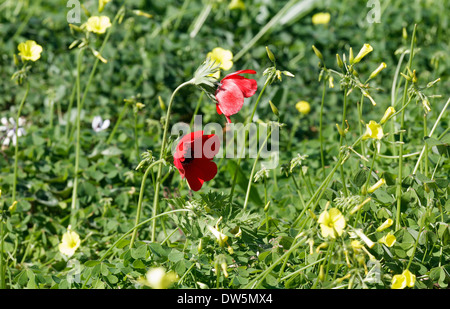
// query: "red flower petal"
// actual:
[[193, 158], [232, 91], [230, 98], [199, 171]]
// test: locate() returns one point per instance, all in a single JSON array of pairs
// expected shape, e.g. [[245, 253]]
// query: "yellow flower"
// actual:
[[398, 282], [70, 243], [376, 186], [364, 238], [387, 115], [223, 57], [388, 239], [30, 50], [380, 68], [410, 278], [321, 18], [236, 5], [362, 53], [406, 279], [303, 107], [221, 238], [101, 4], [332, 223], [385, 225], [157, 278], [373, 130], [98, 24]]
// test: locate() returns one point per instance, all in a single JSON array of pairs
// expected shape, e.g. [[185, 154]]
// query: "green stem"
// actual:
[[16, 147], [161, 156], [341, 140], [141, 195], [199, 103], [69, 112], [322, 160], [2, 261], [136, 140], [255, 283], [119, 119], [233, 184], [402, 124], [250, 180], [128, 233], [431, 134], [78, 144], [360, 118]]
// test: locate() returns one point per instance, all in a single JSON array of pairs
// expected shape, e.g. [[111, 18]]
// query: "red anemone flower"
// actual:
[[193, 158], [231, 92]]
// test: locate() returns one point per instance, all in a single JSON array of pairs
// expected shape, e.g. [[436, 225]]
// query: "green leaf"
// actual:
[[91, 263], [175, 256], [139, 252]]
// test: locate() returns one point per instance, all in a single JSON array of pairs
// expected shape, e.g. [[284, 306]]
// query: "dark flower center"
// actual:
[[189, 154]]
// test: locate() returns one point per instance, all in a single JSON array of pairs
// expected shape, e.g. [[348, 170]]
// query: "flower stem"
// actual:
[[402, 124], [16, 147], [233, 184], [250, 179], [322, 160], [341, 141], [78, 144], [141, 195], [119, 119], [161, 156], [129, 232], [2, 261], [431, 134]]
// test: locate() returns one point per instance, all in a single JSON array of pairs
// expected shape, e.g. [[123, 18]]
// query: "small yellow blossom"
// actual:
[[223, 57], [157, 278], [388, 239], [377, 185], [98, 24], [362, 53], [380, 68], [406, 279], [385, 225], [398, 282], [387, 115], [321, 18], [410, 278], [70, 243], [373, 130], [13, 206], [303, 107], [364, 238], [221, 238], [332, 223], [101, 5], [30, 50], [236, 5]]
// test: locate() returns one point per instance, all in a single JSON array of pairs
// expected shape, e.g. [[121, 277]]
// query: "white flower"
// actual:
[[99, 125], [9, 131]]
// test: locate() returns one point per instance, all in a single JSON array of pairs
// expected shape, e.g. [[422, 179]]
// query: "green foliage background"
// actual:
[[150, 57]]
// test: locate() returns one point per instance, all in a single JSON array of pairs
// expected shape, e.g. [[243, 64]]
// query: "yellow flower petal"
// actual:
[[303, 107], [332, 223], [321, 18], [222, 56], [373, 130], [410, 278], [398, 282], [30, 50], [98, 24], [70, 243]]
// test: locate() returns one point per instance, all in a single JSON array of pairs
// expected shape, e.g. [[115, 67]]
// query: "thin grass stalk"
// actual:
[[161, 156]]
